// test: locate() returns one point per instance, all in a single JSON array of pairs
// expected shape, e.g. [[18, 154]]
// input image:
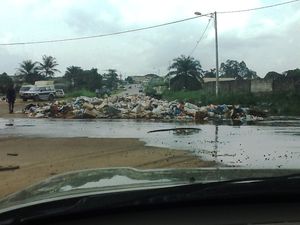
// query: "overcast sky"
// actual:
[[267, 40]]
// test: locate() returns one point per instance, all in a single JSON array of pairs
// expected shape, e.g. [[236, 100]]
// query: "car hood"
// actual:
[[97, 181]]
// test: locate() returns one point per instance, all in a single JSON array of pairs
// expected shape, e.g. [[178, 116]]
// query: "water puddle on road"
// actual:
[[257, 146]]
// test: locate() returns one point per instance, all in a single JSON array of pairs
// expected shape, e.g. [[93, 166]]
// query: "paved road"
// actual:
[[131, 89]]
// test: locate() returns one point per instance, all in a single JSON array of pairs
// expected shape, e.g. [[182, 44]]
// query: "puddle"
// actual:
[[257, 146]]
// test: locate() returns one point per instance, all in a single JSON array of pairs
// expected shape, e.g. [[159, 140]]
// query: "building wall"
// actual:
[[240, 86], [260, 85], [284, 85], [255, 86]]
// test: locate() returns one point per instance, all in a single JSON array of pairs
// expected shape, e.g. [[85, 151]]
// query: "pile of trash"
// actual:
[[137, 107]]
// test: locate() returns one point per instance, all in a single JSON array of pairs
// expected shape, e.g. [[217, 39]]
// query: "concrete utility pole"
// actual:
[[217, 55], [214, 15]]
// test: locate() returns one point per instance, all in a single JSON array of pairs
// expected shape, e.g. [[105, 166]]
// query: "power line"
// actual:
[[201, 37], [139, 29], [100, 35], [259, 8]]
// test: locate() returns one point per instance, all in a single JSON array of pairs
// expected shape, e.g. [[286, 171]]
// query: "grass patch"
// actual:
[[81, 92]]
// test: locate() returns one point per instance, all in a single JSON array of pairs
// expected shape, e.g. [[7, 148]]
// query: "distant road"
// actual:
[[131, 89]]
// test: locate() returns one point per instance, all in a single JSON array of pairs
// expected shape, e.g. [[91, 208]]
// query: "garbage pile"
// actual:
[[137, 107]]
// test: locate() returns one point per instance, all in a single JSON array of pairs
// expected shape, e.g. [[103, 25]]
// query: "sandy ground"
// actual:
[[40, 158], [17, 111]]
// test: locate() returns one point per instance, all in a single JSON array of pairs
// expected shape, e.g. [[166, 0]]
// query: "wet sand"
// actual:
[[40, 158], [19, 105]]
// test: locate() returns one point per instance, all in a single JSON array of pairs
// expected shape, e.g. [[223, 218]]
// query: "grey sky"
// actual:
[[266, 39]]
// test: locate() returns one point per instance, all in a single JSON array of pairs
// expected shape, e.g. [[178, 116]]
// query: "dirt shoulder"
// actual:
[[19, 105], [40, 158]]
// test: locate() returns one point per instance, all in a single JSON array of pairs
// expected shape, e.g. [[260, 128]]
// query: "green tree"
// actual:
[[235, 69], [5, 82], [87, 79], [48, 66], [295, 74], [74, 75], [129, 80], [272, 75], [28, 71], [111, 79], [185, 74]]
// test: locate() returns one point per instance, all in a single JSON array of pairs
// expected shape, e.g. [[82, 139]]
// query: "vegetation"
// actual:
[[5, 82], [47, 67], [81, 92], [129, 80], [111, 79], [83, 79], [235, 69], [272, 75], [28, 71], [278, 103], [185, 74], [292, 73]]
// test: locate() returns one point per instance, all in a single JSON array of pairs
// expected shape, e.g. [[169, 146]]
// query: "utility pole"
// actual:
[[214, 15], [217, 55]]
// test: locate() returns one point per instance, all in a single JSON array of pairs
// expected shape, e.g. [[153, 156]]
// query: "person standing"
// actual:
[[11, 98]]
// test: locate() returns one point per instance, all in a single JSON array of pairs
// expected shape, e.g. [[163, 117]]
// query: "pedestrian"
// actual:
[[11, 98]]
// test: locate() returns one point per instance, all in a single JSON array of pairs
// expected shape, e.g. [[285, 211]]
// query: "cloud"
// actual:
[[265, 40]]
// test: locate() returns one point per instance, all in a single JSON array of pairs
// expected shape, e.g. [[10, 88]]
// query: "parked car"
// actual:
[[40, 93], [23, 89], [59, 93]]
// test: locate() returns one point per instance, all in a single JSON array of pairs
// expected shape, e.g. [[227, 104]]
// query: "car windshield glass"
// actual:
[[34, 89], [24, 88], [120, 87]]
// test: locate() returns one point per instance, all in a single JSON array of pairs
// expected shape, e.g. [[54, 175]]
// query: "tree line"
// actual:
[[185, 73], [74, 78]]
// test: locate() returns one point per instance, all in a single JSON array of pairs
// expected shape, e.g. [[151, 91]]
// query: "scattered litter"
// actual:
[[12, 154], [7, 168]]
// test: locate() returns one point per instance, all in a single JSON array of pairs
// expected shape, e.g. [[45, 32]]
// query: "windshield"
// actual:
[[34, 89], [24, 88], [147, 85]]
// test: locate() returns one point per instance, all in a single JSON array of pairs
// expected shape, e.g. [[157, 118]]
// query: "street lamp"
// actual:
[[214, 15]]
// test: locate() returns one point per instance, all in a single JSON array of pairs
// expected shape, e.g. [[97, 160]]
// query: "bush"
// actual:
[[81, 92]]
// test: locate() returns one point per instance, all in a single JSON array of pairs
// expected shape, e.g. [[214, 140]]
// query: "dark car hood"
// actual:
[[97, 181]]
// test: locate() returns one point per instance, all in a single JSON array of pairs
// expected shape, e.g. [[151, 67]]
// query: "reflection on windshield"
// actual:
[[113, 181]]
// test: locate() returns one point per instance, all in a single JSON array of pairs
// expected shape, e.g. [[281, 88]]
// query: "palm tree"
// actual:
[[75, 75], [72, 72], [47, 67], [185, 74], [28, 71]]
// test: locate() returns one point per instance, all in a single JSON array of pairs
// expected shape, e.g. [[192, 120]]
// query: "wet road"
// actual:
[[274, 144]]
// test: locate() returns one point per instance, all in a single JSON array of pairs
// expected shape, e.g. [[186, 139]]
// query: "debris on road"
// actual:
[[176, 129], [7, 168], [12, 154], [139, 107]]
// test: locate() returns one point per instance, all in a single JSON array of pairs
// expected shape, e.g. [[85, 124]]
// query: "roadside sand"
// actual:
[[17, 111], [39, 158]]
